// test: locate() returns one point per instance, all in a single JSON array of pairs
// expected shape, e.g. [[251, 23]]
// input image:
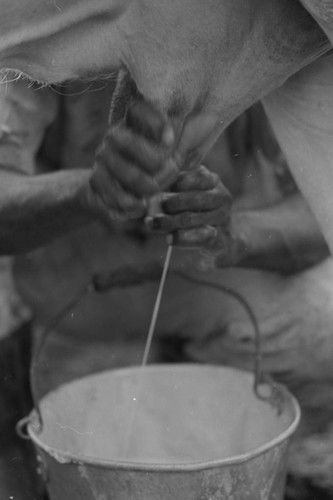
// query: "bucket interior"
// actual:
[[165, 414]]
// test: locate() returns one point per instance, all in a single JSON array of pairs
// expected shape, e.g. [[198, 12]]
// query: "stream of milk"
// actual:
[[140, 384]]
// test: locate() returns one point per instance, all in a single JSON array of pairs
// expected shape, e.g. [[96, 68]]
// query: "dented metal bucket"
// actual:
[[169, 432]]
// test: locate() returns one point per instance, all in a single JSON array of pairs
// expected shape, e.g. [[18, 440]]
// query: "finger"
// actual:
[[143, 153], [196, 201], [135, 148], [195, 238], [145, 120], [200, 179], [129, 176], [109, 197], [188, 220]]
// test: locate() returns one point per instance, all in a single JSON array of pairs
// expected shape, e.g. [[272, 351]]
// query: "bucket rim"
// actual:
[[79, 459]]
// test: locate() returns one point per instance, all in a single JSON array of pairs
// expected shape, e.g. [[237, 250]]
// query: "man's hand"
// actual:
[[196, 210], [136, 163], [132, 165]]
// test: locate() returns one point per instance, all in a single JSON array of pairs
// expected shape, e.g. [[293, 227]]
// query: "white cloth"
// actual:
[[301, 113]]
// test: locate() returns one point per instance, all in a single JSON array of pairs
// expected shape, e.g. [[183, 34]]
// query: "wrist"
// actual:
[[84, 199]]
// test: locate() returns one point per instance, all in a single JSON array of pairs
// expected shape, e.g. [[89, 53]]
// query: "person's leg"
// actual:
[[18, 468]]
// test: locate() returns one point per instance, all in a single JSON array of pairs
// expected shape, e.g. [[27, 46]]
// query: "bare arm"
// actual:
[[133, 164], [34, 208], [285, 237]]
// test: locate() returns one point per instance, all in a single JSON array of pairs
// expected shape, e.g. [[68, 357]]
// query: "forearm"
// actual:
[[284, 238], [35, 210]]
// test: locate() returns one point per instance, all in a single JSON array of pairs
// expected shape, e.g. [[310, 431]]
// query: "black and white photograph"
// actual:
[[166, 229]]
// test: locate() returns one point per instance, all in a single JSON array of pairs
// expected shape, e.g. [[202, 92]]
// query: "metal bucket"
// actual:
[[169, 432]]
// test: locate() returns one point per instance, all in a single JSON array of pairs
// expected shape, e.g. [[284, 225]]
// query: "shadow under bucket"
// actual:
[[165, 432]]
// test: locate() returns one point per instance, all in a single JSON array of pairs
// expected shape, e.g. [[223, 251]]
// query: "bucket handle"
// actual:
[[264, 386], [38, 419], [22, 428], [263, 383]]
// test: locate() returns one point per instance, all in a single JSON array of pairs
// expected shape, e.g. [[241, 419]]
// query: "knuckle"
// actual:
[[202, 169], [103, 199], [208, 234], [193, 237], [208, 175], [202, 178], [118, 138], [186, 238], [215, 178], [150, 156], [207, 200], [98, 180], [106, 158]]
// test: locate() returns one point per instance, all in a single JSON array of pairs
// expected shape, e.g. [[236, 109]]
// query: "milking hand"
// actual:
[[157, 304]]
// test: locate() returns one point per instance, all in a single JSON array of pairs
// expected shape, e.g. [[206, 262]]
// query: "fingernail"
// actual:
[[153, 223], [157, 223]]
